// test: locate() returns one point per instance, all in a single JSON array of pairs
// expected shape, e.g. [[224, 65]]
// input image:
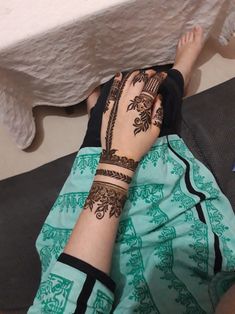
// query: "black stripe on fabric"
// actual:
[[85, 295], [187, 177], [218, 255], [200, 213], [88, 269]]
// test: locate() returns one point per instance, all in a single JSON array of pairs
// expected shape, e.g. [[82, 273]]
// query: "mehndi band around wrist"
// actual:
[[114, 174], [106, 198], [113, 159]]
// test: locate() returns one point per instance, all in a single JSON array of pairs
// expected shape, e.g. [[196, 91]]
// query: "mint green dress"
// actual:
[[175, 246]]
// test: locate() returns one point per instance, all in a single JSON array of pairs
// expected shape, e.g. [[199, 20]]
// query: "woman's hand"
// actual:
[[131, 124], [132, 118]]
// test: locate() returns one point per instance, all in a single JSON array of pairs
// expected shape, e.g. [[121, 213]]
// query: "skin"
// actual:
[[188, 48]]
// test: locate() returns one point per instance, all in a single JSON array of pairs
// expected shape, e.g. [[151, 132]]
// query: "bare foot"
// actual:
[[188, 49], [92, 99]]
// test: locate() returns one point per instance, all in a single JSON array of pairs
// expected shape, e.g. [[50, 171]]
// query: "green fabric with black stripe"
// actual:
[[175, 245]]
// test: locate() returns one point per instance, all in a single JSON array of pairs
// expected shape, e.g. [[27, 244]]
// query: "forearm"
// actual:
[[92, 240], [94, 234]]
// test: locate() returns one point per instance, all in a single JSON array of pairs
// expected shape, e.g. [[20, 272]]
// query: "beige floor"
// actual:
[[59, 134]]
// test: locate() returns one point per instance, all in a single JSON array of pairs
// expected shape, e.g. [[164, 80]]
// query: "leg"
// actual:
[[188, 49]]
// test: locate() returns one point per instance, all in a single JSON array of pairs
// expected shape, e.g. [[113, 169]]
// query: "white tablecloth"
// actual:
[[54, 52]]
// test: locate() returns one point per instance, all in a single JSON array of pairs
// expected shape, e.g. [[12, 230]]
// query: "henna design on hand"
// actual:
[[114, 174], [113, 115], [140, 103], [109, 198], [143, 104], [143, 122], [108, 154], [141, 76], [152, 86], [113, 94], [158, 117]]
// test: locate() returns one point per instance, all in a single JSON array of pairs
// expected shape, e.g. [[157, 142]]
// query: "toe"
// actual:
[[183, 39], [191, 36], [187, 36], [180, 43], [198, 31]]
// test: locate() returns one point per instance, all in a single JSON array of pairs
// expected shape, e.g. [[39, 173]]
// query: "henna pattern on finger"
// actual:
[[140, 77], [151, 87], [158, 117], [143, 104], [114, 174], [113, 94], [108, 197]]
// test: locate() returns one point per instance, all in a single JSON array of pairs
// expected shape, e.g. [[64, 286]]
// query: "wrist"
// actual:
[[115, 158], [114, 174]]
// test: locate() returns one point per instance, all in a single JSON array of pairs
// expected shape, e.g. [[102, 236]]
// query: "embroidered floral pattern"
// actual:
[[216, 220], [199, 245], [85, 162], [53, 241], [149, 193], [155, 154], [177, 168], [181, 198], [144, 302], [165, 261], [103, 303], [200, 180], [53, 294], [70, 201], [159, 218]]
